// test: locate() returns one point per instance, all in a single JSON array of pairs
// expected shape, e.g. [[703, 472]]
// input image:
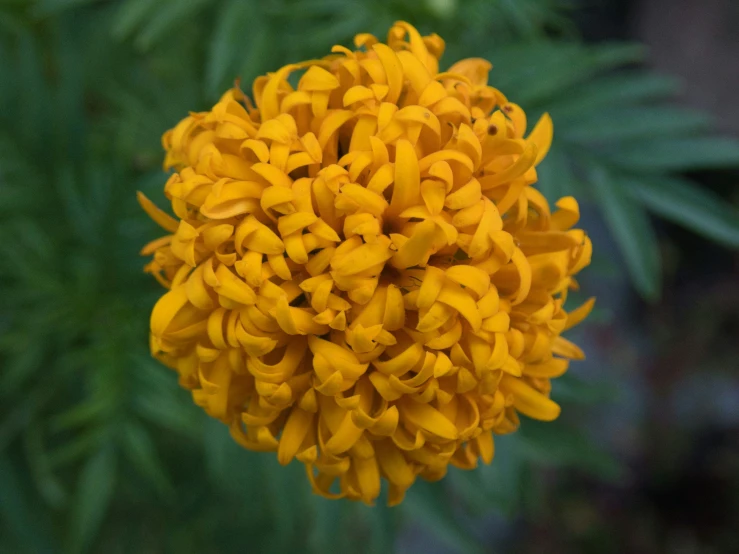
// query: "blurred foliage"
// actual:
[[99, 448]]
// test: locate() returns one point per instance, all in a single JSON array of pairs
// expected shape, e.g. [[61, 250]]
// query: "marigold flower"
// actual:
[[360, 274]]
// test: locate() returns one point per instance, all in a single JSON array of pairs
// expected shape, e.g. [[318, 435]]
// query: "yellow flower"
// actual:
[[360, 274]]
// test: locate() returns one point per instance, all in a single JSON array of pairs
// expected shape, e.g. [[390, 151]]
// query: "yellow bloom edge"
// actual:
[[361, 274]]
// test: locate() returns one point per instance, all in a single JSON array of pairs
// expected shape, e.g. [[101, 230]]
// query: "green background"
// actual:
[[100, 451]]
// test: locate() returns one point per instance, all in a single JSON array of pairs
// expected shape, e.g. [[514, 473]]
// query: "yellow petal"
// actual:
[[457, 298], [470, 277], [393, 70], [234, 288], [428, 418], [567, 215], [402, 362], [577, 315], [530, 401], [562, 347], [368, 477], [547, 370], [295, 430], [542, 135], [433, 281], [416, 250], [289, 224], [357, 94], [393, 464], [164, 220], [475, 69], [166, 309], [367, 200], [407, 188], [466, 196], [317, 79], [485, 446]]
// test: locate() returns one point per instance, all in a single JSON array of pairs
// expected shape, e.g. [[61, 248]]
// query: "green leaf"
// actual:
[[171, 410], [285, 489], [570, 389], [382, 523], [94, 493], [80, 414], [130, 15], [33, 111], [18, 515], [503, 481], [19, 368], [557, 444], [11, 24], [224, 51], [687, 204], [55, 7], [542, 70], [328, 515], [609, 91], [520, 13], [169, 14], [635, 123], [255, 57], [47, 483], [632, 230], [140, 449], [468, 485], [428, 505], [14, 421], [678, 154], [556, 178]]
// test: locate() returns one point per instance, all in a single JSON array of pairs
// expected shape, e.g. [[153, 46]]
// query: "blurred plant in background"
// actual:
[[99, 448]]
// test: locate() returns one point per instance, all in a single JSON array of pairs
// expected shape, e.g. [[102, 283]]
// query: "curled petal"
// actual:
[[360, 273]]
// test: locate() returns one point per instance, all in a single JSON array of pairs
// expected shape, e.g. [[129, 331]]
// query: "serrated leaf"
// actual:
[[632, 231], [92, 498], [689, 205]]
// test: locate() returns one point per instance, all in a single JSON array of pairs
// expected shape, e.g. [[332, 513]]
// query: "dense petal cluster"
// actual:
[[360, 274]]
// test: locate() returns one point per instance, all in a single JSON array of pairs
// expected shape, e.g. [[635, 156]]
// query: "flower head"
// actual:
[[361, 275]]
